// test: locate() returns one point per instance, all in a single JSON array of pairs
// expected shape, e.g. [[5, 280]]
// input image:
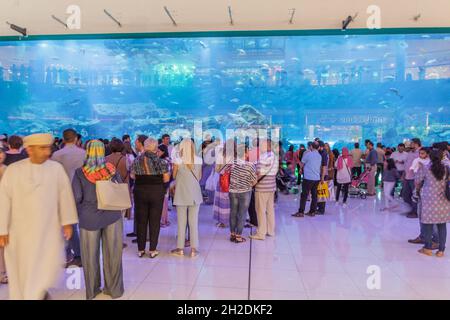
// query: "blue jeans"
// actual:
[[434, 233], [239, 203], [428, 235]]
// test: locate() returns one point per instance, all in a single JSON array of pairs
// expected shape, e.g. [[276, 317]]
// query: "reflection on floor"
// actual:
[[325, 257]]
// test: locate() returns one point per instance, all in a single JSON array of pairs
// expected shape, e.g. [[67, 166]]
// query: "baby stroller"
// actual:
[[358, 186], [285, 181]]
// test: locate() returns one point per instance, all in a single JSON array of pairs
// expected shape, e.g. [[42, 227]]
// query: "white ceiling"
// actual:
[[211, 15]]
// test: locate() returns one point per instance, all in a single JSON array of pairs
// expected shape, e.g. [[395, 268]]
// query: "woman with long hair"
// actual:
[[433, 206], [343, 165], [331, 160], [187, 173], [98, 228]]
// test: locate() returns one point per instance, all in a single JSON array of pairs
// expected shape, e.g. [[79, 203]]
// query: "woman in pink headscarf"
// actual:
[[344, 165]]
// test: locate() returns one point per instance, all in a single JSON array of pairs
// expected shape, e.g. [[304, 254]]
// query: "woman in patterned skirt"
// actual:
[[221, 207], [434, 208]]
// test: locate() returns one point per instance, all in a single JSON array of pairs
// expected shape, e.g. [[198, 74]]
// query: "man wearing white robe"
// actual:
[[37, 210]]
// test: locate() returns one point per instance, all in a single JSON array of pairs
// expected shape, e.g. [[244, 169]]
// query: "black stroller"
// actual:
[[286, 183]]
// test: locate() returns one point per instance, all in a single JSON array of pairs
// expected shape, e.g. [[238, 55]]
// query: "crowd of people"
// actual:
[[421, 173], [239, 179], [159, 175]]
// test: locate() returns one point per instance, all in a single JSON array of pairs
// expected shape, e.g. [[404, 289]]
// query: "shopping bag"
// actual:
[[332, 193], [322, 192], [225, 182], [112, 196]]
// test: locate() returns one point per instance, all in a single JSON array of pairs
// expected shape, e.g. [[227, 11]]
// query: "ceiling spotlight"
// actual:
[[112, 18], [230, 14], [18, 29], [60, 21], [291, 21], [347, 21], [170, 16]]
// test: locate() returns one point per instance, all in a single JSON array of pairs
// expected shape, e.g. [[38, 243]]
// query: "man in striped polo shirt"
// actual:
[[267, 168]]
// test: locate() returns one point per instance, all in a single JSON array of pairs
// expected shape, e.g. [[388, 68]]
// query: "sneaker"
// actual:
[[311, 214], [131, 235]]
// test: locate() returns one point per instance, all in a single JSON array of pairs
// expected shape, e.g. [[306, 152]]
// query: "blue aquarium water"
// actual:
[[340, 88]]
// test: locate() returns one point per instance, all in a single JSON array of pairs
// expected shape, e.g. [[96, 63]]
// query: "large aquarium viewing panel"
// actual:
[[341, 88]]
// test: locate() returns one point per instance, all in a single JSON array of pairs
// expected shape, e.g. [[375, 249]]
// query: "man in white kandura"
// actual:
[[37, 210]]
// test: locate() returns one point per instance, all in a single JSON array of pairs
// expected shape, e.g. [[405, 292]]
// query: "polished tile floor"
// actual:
[[324, 257]]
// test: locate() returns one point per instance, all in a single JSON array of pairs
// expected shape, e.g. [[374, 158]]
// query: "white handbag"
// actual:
[[112, 196]]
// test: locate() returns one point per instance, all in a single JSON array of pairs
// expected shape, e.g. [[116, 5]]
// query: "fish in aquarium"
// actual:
[[396, 92], [241, 52], [142, 92]]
